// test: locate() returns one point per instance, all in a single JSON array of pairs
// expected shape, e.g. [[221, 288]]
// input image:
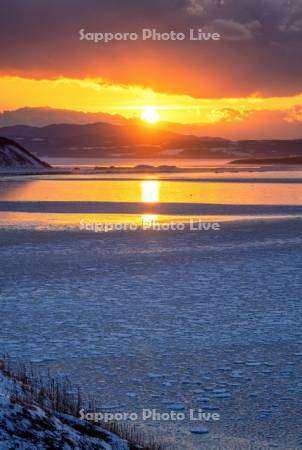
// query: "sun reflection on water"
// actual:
[[150, 191]]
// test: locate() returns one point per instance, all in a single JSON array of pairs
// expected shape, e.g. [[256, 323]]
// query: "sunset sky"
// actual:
[[252, 73]]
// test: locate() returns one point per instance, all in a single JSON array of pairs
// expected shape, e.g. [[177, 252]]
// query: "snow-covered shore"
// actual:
[[16, 159], [25, 425]]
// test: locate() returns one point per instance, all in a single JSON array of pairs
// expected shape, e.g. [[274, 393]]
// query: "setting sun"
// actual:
[[150, 115]]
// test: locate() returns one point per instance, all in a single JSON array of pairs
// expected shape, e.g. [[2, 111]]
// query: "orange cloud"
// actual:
[[92, 95]]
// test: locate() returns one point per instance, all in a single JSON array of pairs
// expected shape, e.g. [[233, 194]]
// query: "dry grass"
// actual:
[[58, 395]]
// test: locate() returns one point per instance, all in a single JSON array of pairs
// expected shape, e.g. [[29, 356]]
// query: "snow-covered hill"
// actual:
[[27, 426], [15, 158]]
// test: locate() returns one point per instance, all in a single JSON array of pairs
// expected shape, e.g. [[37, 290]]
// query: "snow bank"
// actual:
[[29, 427], [15, 158]]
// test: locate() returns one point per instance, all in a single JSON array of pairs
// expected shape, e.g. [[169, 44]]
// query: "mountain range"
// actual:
[[136, 140], [40, 117], [232, 125]]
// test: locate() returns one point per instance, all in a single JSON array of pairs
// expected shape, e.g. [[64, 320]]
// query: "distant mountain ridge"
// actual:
[[261, 161], [269, 125], [104, 140], [43, 116]]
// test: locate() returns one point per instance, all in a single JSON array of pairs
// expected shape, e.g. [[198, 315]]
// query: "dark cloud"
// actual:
[[234, 31], [260, 51], [273, 14]]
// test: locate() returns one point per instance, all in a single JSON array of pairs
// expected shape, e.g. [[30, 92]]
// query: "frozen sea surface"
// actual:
[[167, 320]]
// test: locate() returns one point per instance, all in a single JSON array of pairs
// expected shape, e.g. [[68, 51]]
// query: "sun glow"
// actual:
[[150, 114], [132, 102]]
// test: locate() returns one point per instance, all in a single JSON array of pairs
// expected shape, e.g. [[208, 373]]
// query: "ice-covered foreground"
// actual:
[[26, 426], [167, 320]]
